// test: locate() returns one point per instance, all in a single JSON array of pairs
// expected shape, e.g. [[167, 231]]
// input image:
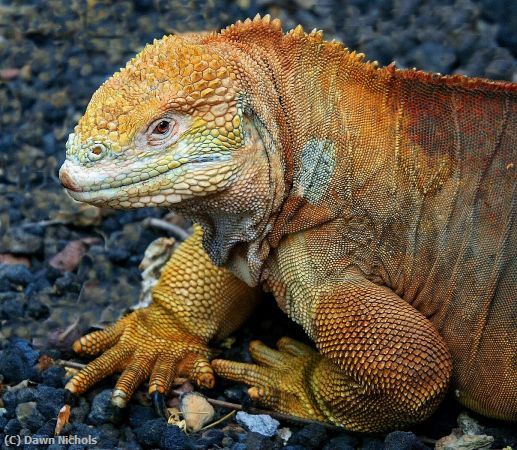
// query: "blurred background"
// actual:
[[54, 54]]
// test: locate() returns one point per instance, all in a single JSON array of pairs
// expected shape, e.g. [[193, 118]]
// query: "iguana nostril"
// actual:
[[96, 152]]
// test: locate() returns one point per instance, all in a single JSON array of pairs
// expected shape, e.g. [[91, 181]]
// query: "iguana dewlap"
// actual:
[[377, 205]]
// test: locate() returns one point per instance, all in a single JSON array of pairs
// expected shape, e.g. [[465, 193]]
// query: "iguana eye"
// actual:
[[162, 127], [162, 131]]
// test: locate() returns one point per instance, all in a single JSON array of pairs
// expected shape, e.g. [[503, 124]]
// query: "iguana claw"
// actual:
[[159, 404]]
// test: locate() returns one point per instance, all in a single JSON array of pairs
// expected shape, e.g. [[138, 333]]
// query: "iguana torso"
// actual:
[[377, 205]]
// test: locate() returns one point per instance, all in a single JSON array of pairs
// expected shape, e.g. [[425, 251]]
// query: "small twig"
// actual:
[[177, 232], [217, 422], [70, 364], [68, 330], [427, 440], [41, 223]]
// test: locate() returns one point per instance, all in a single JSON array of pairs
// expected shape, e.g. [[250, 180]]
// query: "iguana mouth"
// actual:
[[150, 189], [68, 182]]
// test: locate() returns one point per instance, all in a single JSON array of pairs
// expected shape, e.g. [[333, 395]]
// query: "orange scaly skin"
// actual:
[[377, 205]]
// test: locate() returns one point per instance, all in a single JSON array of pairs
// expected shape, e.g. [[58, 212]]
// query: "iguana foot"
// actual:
[[279, 380], [146, 344]]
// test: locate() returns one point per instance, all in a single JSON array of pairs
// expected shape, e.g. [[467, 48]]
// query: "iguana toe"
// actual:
[[98, 341], [278, 381], [105, 365]]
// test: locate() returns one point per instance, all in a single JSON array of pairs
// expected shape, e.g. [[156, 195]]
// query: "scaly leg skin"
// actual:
[[191, 306], [380, 363]]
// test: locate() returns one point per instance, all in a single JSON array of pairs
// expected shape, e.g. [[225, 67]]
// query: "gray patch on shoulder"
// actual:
[[318, 161]]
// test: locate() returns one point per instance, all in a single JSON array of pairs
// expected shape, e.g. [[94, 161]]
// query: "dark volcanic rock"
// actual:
[[149, 433], [54, 376], [17, 361], [342, 442], [16, 274], [102, 409], [50, 400], [173, 439], [139, 414], [403, 440], [29, 416], [256, 441], [311, 436]]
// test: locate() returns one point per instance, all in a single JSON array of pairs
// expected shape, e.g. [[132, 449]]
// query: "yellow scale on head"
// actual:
[[171, 74]]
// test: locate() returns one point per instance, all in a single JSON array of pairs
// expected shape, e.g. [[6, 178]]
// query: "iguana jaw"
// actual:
[[185, 179]]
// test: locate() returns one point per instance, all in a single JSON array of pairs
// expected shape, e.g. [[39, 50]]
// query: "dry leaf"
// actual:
[[156, 255], [196, 410], [8, 258], [44, 362], [175, 418], [70, 257], [62, 419]]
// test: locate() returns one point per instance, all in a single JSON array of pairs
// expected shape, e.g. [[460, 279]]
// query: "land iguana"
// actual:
[[377, 205]]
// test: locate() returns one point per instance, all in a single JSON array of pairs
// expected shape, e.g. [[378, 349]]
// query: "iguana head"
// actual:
[[191, 123], [164, 129]]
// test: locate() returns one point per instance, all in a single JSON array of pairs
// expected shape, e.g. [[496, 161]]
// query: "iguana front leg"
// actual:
[[381, 364], [191, 306]]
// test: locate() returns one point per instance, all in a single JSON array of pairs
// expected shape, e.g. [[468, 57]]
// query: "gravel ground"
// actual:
[[53, 55]]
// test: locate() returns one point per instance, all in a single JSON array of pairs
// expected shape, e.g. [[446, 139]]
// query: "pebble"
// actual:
[[50, 400], [258, 423], [17, 362], [196, 410], [173, 438], [403, 440], [102, 409], [149, 433], [54, 376], [311, 436], [29, 416]]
